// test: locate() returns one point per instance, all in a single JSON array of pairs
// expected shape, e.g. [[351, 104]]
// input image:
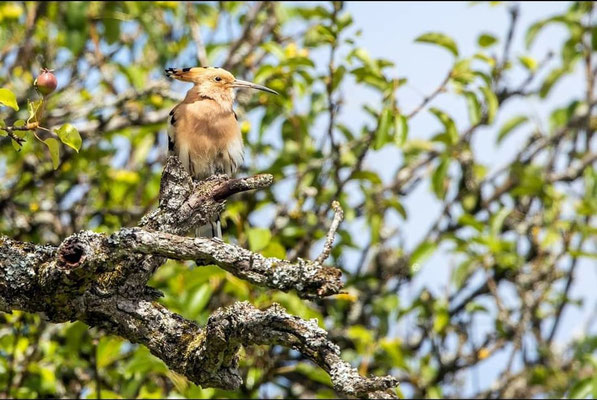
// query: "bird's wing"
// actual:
[[172, 130], [191, 97]]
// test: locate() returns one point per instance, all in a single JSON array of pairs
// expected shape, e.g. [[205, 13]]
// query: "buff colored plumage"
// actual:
[[203, 130]]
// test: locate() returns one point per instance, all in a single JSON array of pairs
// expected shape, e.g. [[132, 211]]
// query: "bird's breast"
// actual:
[[208, 139]]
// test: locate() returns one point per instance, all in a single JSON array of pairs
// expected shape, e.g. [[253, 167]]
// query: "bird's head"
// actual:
[[215, 83]]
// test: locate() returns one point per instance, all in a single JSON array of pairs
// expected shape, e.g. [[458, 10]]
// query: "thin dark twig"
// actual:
[[430, 97]]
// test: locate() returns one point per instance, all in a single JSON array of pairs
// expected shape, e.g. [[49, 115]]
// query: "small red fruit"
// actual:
[[46, 83]]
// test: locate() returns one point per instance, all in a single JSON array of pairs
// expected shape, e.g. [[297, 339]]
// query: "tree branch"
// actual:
[[329, 241], [308, 278], [101, 280], [209, 356]]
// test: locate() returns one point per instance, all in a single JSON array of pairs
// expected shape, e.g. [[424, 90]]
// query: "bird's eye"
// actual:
[[218, 79]]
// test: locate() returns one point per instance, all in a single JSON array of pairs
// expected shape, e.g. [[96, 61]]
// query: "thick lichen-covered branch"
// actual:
[[209, 356], [102, 280], [243, 324], [308, 278]]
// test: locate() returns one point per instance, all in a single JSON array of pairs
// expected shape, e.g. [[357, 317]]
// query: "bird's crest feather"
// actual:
[[191, 74]]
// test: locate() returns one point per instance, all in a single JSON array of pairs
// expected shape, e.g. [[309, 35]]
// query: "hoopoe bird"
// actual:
[[203, 129]]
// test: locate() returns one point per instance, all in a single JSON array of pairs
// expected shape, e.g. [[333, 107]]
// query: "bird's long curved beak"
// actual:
[[245, 84]]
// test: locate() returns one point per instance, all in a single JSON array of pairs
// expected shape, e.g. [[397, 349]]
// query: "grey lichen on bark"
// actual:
[[102, 280]]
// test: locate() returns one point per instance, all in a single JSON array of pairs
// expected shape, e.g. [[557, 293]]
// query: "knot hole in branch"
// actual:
[[71, 253]]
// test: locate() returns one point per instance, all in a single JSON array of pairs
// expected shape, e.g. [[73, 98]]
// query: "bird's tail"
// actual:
[[183, 74], [212, 229]]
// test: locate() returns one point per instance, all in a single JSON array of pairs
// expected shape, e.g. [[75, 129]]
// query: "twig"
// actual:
[[246, 34], [14, 137], [329, 241], [567, 286], [514, 12], [430, 97]]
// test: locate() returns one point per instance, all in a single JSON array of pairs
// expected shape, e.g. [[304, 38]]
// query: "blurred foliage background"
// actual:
[[512, 235]]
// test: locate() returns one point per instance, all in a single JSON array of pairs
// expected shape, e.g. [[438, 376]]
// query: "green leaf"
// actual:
[[274, 48], [375, 223], [420, 254], [69, 135], [382, 135], [338, 77], [474, 107], [314, 373], [448, 124], [570, 52], [112, 30], [550, 81], [581, 389], [469, 220], [532, 33], [274, 249], [497, 221], [142, 362], [486, 40], [438, 178], [48, 379], [461, 273], [396, 205], [199, 300], [491, 102], [16, 145], [8, 99], [442, 319], [462, 73], [528, 62], [401, 126], [33, 107], [75, 41], [367, 175], [108, 351], [475, 307], [439, 39], [394, 349], [434, 392], [510, 125], [135, 74], [485, 58], [258, 238], [361, 336], [54, 148], [19, 123]]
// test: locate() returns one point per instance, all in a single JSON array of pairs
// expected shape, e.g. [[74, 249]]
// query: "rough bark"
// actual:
[[102, 280]]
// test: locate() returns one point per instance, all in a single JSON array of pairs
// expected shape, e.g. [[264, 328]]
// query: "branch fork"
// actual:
[[102, 280]]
